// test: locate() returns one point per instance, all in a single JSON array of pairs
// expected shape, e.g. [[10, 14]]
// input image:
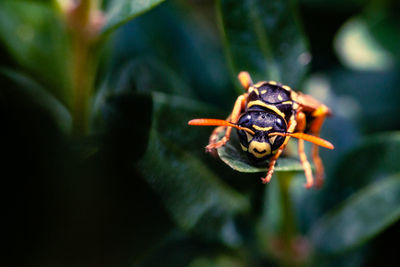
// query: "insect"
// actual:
[[266, 116]]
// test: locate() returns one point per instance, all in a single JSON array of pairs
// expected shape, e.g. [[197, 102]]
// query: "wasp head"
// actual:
[[260, 146]]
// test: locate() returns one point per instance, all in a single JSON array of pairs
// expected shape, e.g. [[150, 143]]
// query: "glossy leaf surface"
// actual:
[[379, 152], [121, 11], [188, 187], [34, 36], [233, 155], [365, 214], [264, 38], [33, 91]]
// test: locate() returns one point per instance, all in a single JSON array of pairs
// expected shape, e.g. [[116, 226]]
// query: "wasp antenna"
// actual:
[[209, 122], [310, 138], [245, 79], [217, 122]]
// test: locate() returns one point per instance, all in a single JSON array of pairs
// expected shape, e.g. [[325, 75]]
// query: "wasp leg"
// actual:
[[214, 136], [214, 139], [301, 125], [245, 79], [272, 161], [271, 167], [234, 117], [319, 114]]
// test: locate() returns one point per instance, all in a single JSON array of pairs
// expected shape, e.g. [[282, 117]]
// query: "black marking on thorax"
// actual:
[[271, 95]]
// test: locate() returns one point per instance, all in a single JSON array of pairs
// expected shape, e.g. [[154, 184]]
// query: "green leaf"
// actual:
[[380, 152], [193, 194], [333, 6], [186, 186], [143, 74], [121, 11], [368, 41], [272, 218], [363, 89], [126, 120], [236, 158], [264, 38], [358, 49], [359, 218], [194, 63], [171, 115], [36, 93], [34, 35], [178, 249], [222, 260], [382, 22]]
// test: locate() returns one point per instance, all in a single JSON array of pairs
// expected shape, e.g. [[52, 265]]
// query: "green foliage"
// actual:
[[264, 38], [360, 217], [233, 155], [189, 189], [34, 91], [101, 160], [119, 12], [34, 36]]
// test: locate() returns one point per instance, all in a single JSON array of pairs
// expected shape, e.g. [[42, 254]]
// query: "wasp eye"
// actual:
[[279, 123], [245, 121]]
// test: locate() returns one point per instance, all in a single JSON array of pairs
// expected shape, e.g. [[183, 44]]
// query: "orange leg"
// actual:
[[234, 117], [246, 82], [301, 125], [215, 134], [214, 139], [274, 158], [271, 167], [245, 79], [320, 113]]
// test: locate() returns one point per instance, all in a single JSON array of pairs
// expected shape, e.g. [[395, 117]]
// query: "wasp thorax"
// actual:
[[260, 145]]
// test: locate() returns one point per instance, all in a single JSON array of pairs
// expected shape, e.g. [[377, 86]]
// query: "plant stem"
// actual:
[[83, 77], [83, 35], [288, 232], [289, 228]]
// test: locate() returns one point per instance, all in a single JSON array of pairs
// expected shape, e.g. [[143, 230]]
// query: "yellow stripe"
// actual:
[[287, 88], [259, 84], [249, 137], [272, 139], [287, 102], [272, 82], [263, 104], [253, 89], [261, 128], [243, 147], [263, 91]]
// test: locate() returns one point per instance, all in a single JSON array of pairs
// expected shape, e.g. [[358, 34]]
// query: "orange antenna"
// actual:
[[217, 122], [310, 138]]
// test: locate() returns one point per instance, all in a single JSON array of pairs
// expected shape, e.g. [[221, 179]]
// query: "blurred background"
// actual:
[[100, 168]]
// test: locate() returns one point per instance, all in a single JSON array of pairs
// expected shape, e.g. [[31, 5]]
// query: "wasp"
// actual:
[[266, 116]]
